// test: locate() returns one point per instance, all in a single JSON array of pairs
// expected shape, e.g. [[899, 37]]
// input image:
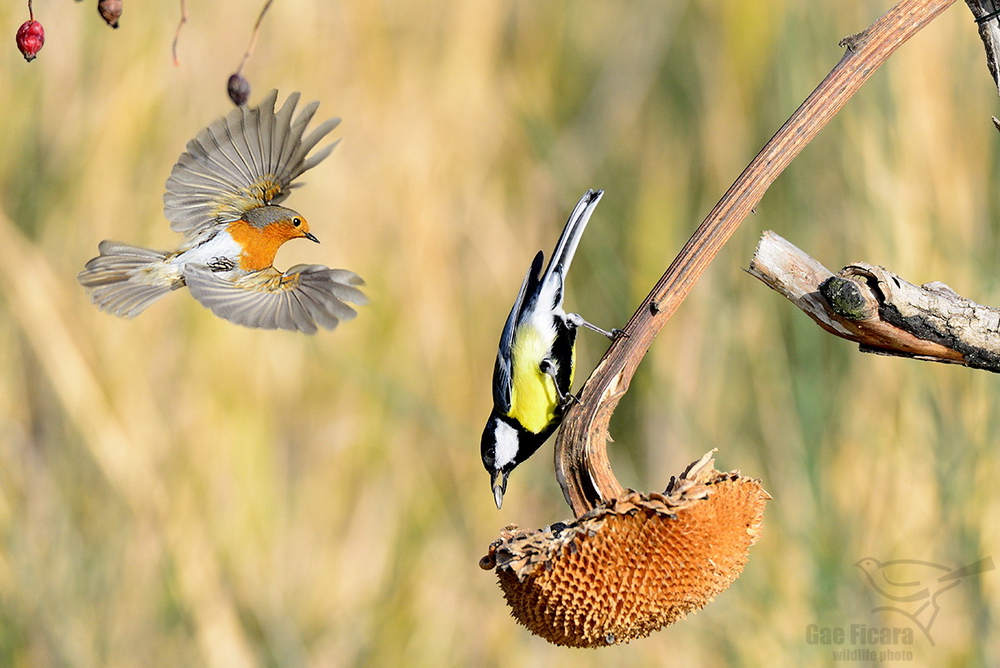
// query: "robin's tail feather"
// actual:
[[124, 280]]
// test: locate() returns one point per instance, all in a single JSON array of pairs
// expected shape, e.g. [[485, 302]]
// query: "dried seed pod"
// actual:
[[110, 11], [30, 39], [239, 89], [632, 565]]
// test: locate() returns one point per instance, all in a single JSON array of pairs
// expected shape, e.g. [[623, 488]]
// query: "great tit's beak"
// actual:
[[311, 237], [499, 487]]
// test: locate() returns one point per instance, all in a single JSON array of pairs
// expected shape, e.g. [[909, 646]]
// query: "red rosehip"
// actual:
[[30, 38], [110, 11]]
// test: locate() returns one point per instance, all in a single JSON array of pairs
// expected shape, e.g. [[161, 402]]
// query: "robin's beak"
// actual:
[[311, 237], [499, 486]]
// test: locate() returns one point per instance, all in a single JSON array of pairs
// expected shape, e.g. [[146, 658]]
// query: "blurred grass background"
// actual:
[[178, 491]]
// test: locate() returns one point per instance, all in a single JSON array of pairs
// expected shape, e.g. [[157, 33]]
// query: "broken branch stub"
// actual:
[[882, 312]]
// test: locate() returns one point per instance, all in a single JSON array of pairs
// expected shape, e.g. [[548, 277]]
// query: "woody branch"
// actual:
[[582, 466], [882, 312]]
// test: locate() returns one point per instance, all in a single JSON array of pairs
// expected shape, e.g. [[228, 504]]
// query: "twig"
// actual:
[[253, 37], [879, 310], [582, 466], [177, 35]]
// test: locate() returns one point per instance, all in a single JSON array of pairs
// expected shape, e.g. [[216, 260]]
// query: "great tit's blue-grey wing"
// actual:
[[302, 298], [504, 369], [246, 159], [569, 240]]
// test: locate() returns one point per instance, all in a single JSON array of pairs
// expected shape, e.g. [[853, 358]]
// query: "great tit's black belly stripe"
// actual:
[[563, 351]]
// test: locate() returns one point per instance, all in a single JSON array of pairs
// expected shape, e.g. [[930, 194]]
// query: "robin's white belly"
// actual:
[[220, 253]]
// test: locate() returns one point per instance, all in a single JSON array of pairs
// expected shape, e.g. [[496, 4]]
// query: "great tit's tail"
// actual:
[[565, 249], [124, 280]]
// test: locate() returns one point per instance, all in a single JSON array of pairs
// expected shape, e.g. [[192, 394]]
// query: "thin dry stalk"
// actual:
[[177, 35], [253, 37]]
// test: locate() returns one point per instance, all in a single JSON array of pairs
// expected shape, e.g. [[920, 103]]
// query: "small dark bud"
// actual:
[[239, 89], [110, 11], [30, 39]]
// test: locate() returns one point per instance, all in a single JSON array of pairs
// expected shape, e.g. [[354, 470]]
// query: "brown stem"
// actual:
[[253, 37], [582, 466], [177, 35]]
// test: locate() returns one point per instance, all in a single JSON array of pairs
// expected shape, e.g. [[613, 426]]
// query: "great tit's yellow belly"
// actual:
[[534, 399]]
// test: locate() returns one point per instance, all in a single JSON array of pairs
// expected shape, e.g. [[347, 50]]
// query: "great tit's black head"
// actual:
[[502, 449]]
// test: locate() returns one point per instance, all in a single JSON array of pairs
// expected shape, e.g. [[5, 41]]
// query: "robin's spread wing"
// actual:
[[303, 297], [503, 370], [246, 159]]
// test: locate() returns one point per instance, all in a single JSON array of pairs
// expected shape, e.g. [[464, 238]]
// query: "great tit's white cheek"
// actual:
[[507, 445]]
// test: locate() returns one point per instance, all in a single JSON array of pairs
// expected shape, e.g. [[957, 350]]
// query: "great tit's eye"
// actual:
[[297, 222]]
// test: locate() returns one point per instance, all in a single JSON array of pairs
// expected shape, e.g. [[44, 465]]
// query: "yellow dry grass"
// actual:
[[177, 491]]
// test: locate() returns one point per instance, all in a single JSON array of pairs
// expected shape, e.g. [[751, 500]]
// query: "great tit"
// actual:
[[533, 374]]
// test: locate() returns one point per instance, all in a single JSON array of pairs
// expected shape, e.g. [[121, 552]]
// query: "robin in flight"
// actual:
[[224, 196]]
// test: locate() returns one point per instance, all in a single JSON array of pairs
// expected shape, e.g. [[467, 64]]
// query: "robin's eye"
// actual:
[[297, 222]]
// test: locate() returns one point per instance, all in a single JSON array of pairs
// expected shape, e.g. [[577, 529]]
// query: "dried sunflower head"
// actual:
[[634, 564]]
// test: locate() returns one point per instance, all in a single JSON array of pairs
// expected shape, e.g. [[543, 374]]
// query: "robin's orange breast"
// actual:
[[259, 245]]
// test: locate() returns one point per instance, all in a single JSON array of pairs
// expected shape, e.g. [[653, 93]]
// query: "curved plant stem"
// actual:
[[582, 466], [253, 36], [177, 34]]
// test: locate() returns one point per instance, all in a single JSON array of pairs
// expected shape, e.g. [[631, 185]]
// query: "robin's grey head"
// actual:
[[279, 220]]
